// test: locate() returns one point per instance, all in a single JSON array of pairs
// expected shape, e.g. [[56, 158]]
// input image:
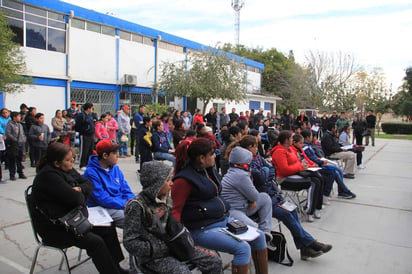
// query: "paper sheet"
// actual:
[[98, 216], [248, 236]]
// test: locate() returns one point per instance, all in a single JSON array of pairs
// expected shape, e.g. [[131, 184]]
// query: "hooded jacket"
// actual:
[[285, 161], [160, 142], [140, 234], [237, 187], [35, 131], [110, 188]]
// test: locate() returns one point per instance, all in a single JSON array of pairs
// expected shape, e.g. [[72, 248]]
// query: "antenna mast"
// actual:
[[237, 5]]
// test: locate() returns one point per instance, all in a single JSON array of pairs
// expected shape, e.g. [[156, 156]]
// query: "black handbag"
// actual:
[[180, 241], [277, 249], [237, 227], [76, 222]]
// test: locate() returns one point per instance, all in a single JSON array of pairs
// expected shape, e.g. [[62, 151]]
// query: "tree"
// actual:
[[207, 75], [12, 64], [408, 79]]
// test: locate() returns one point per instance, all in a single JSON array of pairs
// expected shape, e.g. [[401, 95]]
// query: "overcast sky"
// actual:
[[377, 32]]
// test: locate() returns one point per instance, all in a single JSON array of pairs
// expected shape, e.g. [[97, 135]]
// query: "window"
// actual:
[[137, 38], [147, 41], [35, 36], [108, 30], [254, 105], [125, 35], [93, 27], [76, 23], [268, 106], [56, 40], [17, 27]]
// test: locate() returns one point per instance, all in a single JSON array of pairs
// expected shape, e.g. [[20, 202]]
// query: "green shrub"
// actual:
[[397, 128]]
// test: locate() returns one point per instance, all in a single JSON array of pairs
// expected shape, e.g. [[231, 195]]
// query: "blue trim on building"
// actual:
[[105, 19], [2, 97], [40, 81]]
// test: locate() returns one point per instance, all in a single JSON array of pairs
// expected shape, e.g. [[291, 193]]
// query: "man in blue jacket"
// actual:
[[111, 190], [138, 122]]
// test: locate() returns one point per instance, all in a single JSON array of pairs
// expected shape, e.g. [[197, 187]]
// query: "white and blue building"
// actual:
[[77, 54]]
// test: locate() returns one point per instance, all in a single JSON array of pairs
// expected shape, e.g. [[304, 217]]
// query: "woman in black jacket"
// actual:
[[57, 189]]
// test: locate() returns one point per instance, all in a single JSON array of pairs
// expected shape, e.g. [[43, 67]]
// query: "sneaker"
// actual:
[[346, 195], [13, 178], [308, 252], [349, 176], [22, 176], [3, 181], [361, 166], [326, 200], [317, 214], [310, 219], [318, 246]]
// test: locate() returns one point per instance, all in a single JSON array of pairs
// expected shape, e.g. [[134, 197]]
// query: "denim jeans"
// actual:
[[333, 173], [212, 238], [291, 221], [164, 156]]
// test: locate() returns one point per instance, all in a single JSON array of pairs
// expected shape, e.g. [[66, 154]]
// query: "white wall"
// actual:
[[44, 63], [46, 99], [92, 56], [137, 59]]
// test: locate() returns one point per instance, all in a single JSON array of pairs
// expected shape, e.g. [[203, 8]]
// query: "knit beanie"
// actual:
[[154, 173], [240, 155]]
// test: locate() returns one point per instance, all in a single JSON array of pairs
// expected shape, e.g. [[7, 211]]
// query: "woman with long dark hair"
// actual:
[[57, 189], [197, 203]]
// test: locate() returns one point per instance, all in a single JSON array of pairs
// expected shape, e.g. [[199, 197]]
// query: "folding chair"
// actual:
[[40, 243], [298, 197]]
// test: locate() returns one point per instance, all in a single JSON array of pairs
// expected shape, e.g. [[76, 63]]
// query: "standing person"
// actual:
[[359, 125], [58, 122], [198, 119], [211, 118], [301, 119], [15, 140], [100, 128], [197, 185], [85, 126], [68, 133], [123, 122], [72, 110], [224, 119], [145, 141], [233, 115], [252, 118], [371, 124], [186, 120], [111, 190], [57, 189], [111, 126], [334, 117], [28, 122], [4, 119], [146, 239], [39, 135], [286, 121], [344, 139], [324, 121], [138, 122], [342, 122]]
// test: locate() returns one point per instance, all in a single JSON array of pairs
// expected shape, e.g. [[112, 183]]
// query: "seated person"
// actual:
[[332, 173], [344, 139], [263, 175], [198, 204], [287, 163], [143, 238], [57, 189], [332, 149], [239, 191], [111, 190], [161, 146]]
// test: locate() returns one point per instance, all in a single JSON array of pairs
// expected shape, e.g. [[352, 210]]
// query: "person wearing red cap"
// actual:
[[72, 110], [123, 122], [111, 190]]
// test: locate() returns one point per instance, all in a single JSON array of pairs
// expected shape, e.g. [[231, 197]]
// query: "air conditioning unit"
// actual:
[[130, 80]]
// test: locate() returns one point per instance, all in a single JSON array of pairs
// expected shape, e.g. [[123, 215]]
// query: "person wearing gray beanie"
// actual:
[[144, 236]]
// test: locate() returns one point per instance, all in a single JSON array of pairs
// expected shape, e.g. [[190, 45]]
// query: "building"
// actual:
[[76, 54]]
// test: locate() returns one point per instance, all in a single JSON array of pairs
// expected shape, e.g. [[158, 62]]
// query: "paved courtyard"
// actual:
[[370, 234]]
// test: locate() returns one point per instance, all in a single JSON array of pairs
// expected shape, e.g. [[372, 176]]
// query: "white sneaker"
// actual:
[[326, 200], [361, 166], [310, 219], [317, 214]]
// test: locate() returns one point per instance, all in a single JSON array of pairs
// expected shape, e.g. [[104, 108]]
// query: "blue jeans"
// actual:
[[291, 221], [164, 156], [123, 150], [210, 237], [332, 174]]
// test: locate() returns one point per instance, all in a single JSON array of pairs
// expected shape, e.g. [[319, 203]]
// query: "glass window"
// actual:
[[124, 35], [17, 27], [254, 105], [35, 36], [56, 40], [12, 4], [13, 13], [137, 38], [35, 19], [93, 27], [147, 41], [37, 11], [76, 23], [56, 16], [55, 24], [108, 30]]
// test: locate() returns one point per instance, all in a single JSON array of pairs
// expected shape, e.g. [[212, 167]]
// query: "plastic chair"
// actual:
[[40, 243]]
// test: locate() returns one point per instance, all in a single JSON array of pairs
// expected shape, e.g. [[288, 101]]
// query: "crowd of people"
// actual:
[[203, 171]]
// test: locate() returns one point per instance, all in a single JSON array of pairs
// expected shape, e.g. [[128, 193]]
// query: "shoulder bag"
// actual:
[[277, 249], [76, 222]]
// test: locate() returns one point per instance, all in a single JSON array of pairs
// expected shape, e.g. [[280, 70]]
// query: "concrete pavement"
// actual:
[[370, 234]]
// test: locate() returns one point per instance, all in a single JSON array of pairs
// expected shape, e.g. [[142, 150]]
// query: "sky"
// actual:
[[378, 33]]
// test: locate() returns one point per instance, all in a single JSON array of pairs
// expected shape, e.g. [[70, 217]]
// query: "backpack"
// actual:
[[277, 249]]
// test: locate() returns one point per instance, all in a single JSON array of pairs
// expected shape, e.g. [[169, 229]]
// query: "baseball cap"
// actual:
[[125, 107], [106, 145], [73, 103]]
